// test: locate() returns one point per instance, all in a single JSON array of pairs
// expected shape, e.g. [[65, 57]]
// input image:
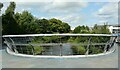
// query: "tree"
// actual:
[[10, 26], [17, 17], [81, 29], [44, 25], [65, 28], [25, 21], [77, 29], [100, 29], [57, 26]]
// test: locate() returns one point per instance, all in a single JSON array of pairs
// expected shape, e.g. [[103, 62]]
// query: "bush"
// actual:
[[74, 49], [78, 50], [95, 50], [81, 50], [38, 50]]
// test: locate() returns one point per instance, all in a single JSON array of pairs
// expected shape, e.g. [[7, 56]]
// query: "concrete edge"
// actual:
[[46, 56]]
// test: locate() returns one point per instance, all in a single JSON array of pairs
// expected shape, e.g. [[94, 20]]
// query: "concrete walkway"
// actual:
[[107, 61]]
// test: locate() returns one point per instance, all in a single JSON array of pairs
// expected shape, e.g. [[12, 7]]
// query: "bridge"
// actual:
[[110, 60]]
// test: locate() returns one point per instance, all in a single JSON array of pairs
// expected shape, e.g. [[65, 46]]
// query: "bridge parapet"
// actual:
[[33, 44]]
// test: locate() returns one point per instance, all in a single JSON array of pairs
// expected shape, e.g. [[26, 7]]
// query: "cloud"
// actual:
[[74, 20], [52, 6], [110, 8], [108, 13], [64, 7]]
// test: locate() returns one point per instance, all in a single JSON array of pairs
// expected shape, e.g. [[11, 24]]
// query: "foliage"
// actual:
[[10, 26], [80, 50], [38, 50], [57, 26], [43, 26], [26, 22], [95, 50], [100, 29], [81, 29]]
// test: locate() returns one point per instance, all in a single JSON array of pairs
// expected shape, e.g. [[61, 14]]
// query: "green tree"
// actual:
[[77, 30], [25, 21], [44, 26], [57, 26], [9, 23], [100, 29], [81, 29]]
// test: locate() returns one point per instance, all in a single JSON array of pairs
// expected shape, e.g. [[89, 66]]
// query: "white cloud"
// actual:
[[108, 13], [64, 7], [51, 7], [110, 8], [74, 20]]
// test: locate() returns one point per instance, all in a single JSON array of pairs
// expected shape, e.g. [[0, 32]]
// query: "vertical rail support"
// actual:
[[13, 43], [78, 46], [8, 44], [51, 47], [60, 46], [88, 46], [60, 50], [106, 45], [51, 50], [112, 41], [33, 51], [21, 49], [26, 49]]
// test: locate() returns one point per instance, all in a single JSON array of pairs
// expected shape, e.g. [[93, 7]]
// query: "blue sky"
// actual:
[[74, 13]]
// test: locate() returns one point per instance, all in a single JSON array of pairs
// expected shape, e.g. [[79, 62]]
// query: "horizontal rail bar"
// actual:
[[55, 44], [33, 35]]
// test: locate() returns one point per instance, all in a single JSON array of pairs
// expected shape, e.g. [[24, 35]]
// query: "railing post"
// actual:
[[60, 47], [8, 44], [51, 50], [89, 41], [13, 45], [105, 48], [110, 43], [33, 52], [51, 47], [21, 49]]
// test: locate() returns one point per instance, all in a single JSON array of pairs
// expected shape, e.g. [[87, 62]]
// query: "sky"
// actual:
[[72, 12]]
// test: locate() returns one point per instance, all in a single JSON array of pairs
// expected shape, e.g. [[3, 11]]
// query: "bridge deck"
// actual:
[[107, 61]]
